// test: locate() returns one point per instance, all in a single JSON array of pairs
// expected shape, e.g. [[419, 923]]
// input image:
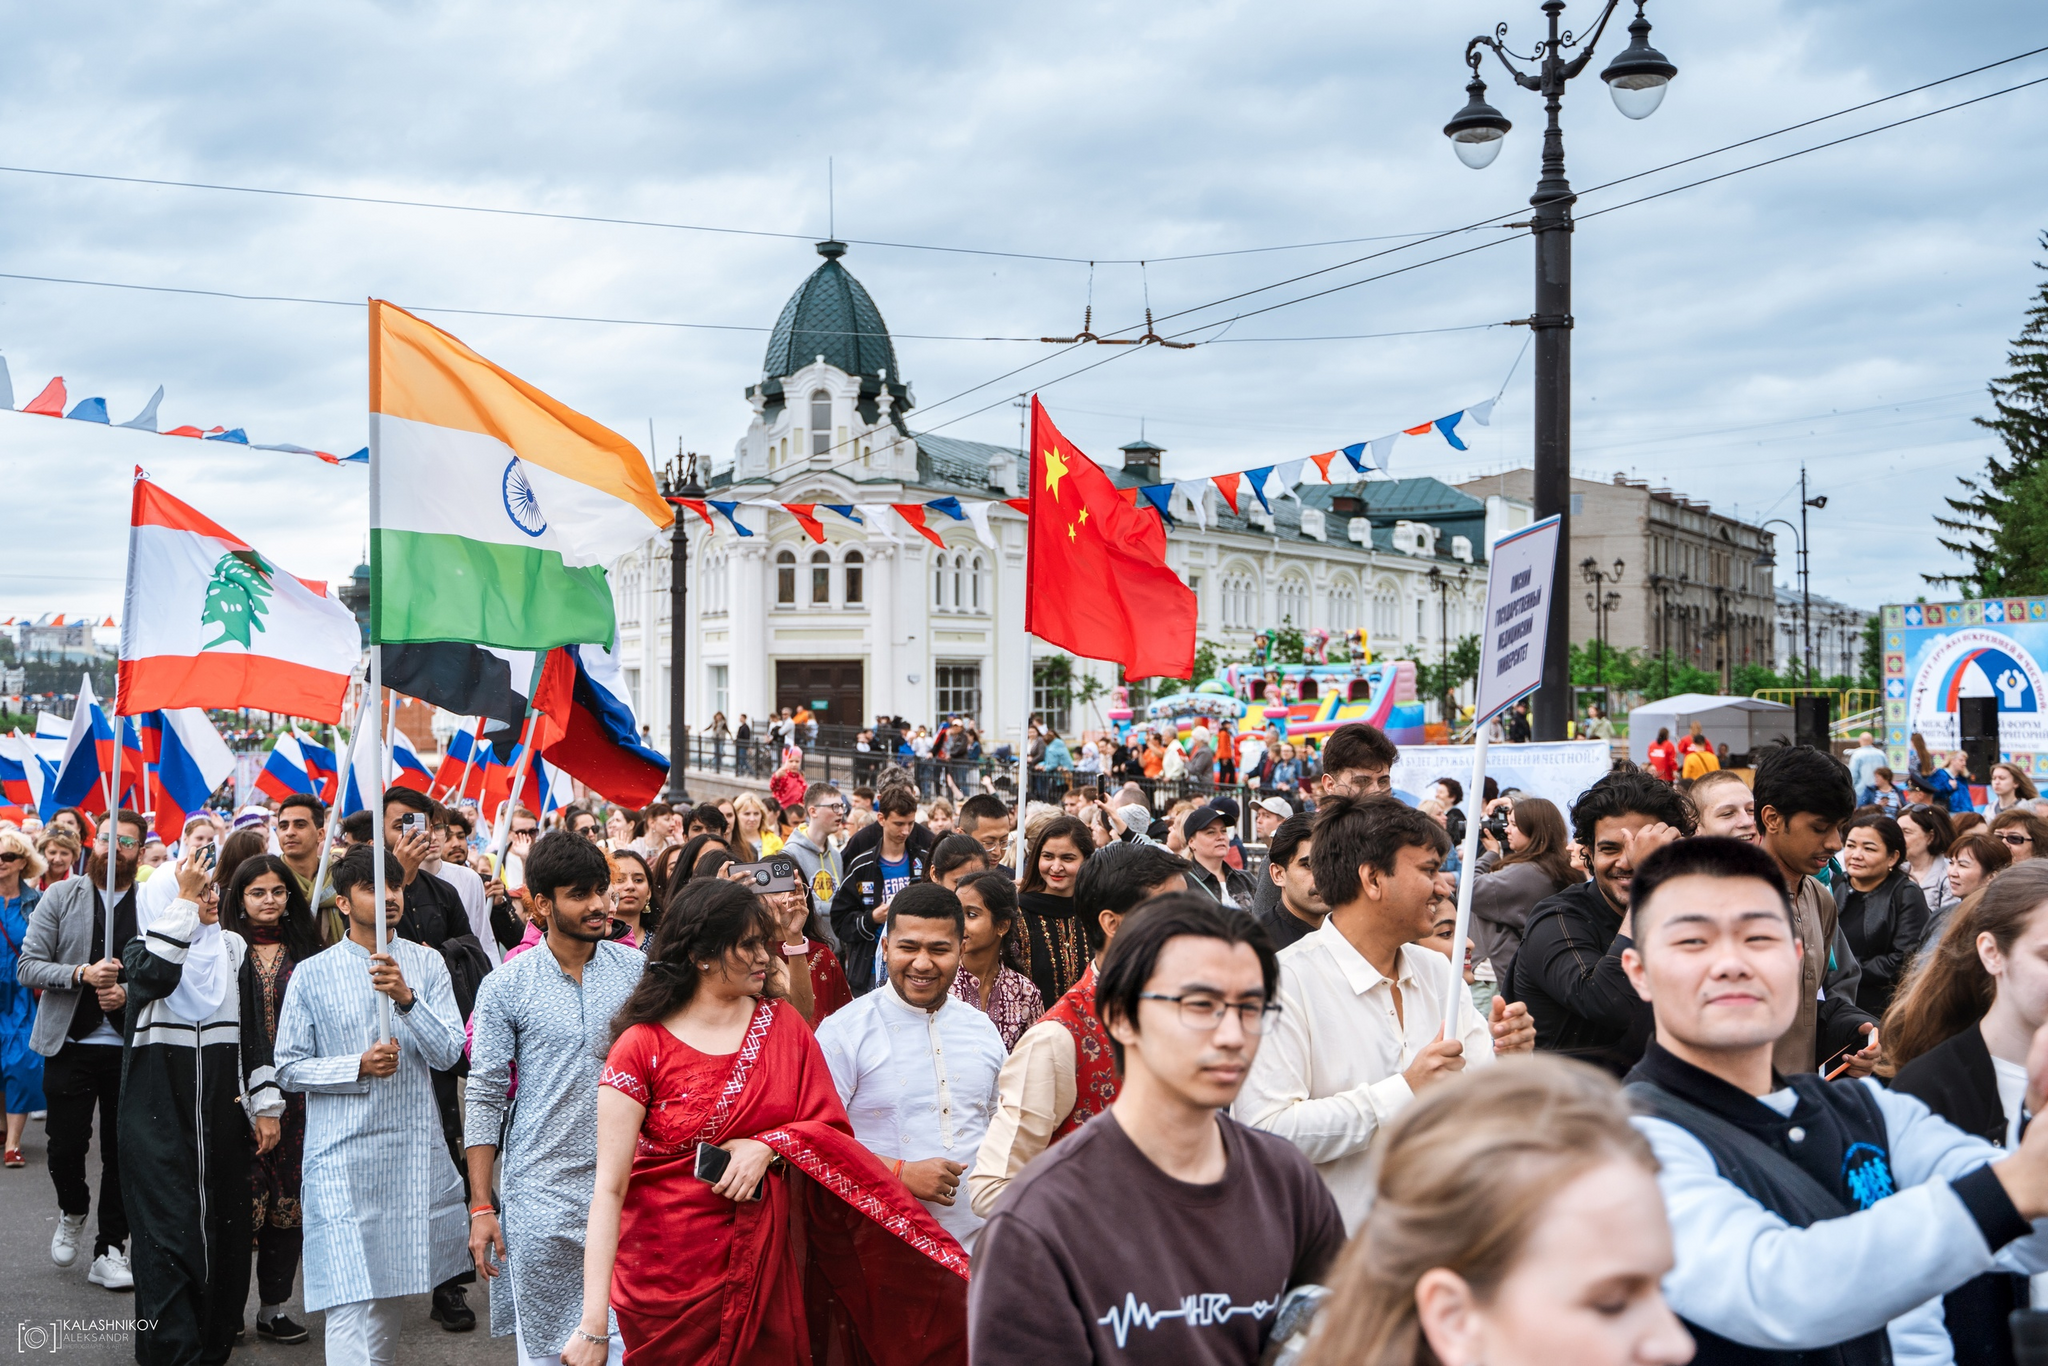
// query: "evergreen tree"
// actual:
[[2000, 527]]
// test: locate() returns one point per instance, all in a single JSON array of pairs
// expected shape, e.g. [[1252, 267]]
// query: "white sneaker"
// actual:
[[110, 1269], [64, 1242]]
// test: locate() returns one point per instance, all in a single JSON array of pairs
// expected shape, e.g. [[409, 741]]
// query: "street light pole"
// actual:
[[1443, 583], [1637, 80], [1805, 566], [1601, 602], [679, 480]]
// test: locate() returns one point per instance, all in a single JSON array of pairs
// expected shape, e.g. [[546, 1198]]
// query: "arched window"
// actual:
[[1386, 611], [959, 564], [939, 582], [1343, 613], [785, 578], [977, 583], [855, 572], [1291, 604], [821, 577], [821, 422]]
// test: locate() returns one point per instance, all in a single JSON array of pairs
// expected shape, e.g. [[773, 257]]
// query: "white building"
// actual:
[[1837, 635], [877, 621]]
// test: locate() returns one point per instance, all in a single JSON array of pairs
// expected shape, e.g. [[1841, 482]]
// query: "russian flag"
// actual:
[[88, 751], [191, 761], [596, 738], [53, 734], [134, 772], [466, 753], [24, 774], [284, 771], [407, 769], [321, 766]]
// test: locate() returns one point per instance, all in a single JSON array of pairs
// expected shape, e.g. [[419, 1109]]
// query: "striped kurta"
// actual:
[[382, 1200]]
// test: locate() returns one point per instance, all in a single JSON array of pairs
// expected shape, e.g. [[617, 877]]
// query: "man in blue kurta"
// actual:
[[383, 1202]]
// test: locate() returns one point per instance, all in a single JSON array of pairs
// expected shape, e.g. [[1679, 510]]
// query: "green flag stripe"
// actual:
[[432, 586]]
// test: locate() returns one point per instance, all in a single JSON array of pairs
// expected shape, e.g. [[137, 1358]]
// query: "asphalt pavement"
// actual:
[[55, 1312]]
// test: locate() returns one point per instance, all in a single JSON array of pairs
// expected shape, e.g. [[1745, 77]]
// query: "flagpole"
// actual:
[[1467, 875], [1024, 758], [524, 760], [334, 812], [376, 804], [469, 760], [113, 808]]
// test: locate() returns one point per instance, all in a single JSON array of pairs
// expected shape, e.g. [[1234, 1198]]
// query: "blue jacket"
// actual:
[[1944, 785]]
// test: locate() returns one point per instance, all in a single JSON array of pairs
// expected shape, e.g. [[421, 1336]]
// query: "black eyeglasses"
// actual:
[[1204, 1013], [2015, 838]]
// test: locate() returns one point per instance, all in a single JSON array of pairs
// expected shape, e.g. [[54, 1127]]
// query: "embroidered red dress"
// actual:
[[835, 1261], [1095, 1078]]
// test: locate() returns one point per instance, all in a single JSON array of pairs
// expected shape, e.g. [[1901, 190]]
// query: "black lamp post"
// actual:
[[1637, 80], [1662, 585], [1444, 584], [1602, 602], [1768, 560], [679, 480]]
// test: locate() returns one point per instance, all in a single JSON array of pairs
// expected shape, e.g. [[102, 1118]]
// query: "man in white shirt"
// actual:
[[1361, 1023], [915, 1065]]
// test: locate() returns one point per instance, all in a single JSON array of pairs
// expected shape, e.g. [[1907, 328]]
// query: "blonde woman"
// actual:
[[757, 838], [1515, 1221], [21, 1068]]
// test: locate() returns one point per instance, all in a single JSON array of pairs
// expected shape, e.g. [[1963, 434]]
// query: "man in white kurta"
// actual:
[[382, 1200], [914, 1064]]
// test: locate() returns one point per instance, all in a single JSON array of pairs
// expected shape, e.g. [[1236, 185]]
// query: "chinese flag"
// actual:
[[1096, 582]]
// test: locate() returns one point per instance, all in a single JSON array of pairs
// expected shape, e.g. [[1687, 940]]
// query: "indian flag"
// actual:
[[493, 508]]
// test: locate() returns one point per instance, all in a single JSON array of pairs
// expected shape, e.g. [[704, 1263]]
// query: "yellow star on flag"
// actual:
[[1070, 531], [1084, 516], [1055, 470]]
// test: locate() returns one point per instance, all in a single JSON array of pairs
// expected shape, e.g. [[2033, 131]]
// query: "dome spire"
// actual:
[[831, 249]]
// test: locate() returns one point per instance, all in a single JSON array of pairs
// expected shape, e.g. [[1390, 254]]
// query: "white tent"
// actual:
[[1744, 724]]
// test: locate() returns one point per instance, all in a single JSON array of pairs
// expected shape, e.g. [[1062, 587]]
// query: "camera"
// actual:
[[1496, 825], [776, 873]]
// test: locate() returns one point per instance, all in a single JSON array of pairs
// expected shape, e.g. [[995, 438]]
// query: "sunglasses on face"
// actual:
[[10, 857], [2015, 838]]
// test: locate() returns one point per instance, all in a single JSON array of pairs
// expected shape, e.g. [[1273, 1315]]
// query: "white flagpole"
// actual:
[[462, 783], [1467, 859], [1024, 758], [375, 799], [113, 808], [524, 758], [348, 764]]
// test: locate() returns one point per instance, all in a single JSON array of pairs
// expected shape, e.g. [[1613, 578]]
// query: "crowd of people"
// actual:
[[1729, 1069]]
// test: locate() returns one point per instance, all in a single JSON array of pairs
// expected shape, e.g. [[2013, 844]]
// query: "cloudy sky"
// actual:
[[1844, 309]]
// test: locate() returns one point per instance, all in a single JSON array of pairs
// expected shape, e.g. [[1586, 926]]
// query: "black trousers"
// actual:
[[191, 1256], [277, 1262], [80, 1077]]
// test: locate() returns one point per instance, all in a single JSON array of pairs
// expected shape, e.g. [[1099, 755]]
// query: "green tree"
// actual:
[[1210, 660], [2000, 525], [1288, 644], [1440, 681]]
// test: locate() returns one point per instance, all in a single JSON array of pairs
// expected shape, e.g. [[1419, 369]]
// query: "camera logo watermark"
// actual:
[[58, 1334]]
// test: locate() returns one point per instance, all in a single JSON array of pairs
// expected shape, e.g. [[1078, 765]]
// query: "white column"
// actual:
[[885, 675], [1005, 696], [752, 689]]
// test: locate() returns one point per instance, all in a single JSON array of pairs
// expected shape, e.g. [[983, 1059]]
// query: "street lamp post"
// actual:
[[1663, 585], [1768, 560], [1637, 80], [679, 480], [1444, 584], [1602, 602]]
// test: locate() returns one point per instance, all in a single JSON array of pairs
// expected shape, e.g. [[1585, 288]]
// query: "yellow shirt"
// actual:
[[1699, 763], [771, 843]]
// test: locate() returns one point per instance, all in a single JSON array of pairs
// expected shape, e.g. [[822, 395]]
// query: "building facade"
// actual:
[[56, 637], [1693, 581], [1837, 628], [876, 621]]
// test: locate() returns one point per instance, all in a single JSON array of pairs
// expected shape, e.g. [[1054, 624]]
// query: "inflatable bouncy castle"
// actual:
[[1300, 700]]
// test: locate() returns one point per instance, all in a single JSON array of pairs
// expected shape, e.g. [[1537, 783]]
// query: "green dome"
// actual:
[[831, 315]]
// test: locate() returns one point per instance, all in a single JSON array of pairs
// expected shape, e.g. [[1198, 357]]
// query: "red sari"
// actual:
[[834, 1261]]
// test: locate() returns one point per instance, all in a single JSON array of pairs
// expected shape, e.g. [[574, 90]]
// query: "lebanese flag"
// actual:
[[587, 728], [209, 622], [1096, 582]]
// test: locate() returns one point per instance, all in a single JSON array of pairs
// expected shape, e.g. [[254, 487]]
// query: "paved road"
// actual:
[[35, 1292]]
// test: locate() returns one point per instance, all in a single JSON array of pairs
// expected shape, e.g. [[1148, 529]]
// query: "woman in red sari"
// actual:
[[808, 1247]]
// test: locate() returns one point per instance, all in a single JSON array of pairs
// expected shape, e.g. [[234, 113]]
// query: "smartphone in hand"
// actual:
[[711, 1163]]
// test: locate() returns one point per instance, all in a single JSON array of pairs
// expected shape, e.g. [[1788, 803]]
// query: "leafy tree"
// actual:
[[1442, 680], [1288, 644], [2000, 525]]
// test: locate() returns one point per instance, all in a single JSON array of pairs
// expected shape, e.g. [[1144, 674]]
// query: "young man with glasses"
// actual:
[[1213, 1222], [811, 846], [1358, 761], [1362, 1026], [66, 956]]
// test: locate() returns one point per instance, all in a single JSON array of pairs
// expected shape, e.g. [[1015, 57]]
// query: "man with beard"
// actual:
[[547, 1016], [71, 957]]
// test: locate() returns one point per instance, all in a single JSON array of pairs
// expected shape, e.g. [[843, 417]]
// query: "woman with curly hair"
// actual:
[[793, 1229]]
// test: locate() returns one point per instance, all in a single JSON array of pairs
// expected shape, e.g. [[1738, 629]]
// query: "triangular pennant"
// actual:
[[1355, 453], [977, 514], [696, 505], [913, 513], [50, 402], [89, 410], [874, 517], [361, 457], [1449, 427], [846, 510], [1160, 496], [1257, 480], [1129, 495], [145, 421], [1022, 505], [948, 505], [806, 515], [1420, 429], [238, 436], [1226, 484], [1322, 463], [1383, 452], [726, 511], [1196, 491], [6, 386], [1482, 413]]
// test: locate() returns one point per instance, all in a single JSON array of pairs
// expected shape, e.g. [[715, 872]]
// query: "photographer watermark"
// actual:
[[57, 1334]]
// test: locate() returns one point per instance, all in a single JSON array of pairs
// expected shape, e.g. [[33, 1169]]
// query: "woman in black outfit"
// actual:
[[1883, 912], [1048, 929], [1956, 1037]]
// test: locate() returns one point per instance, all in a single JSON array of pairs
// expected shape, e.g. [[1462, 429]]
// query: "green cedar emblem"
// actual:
[[237, 598]]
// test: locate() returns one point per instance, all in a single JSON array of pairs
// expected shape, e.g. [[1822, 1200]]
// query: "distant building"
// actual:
[[56, 637], [1690, 581], [1837, 635], [876, 621]]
